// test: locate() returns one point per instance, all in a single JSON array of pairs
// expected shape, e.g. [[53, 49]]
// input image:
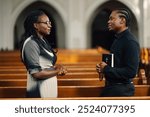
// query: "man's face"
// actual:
[[114, 22]]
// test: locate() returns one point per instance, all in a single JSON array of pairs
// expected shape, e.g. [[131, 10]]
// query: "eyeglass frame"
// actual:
[[47, 22]]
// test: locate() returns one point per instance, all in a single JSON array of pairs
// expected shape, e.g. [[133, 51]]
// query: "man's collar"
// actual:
[[119, 35]]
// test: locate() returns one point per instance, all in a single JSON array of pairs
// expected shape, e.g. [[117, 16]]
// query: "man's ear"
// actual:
[[123, 21]]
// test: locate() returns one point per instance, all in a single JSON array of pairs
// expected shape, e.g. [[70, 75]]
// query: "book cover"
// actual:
[[109, 59]]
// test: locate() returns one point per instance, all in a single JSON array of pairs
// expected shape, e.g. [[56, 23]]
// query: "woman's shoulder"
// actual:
[[30, 42]]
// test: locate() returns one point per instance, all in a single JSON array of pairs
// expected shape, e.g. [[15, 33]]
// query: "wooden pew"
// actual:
[[69, 69], [94, 91], [85, 98], [74, 61], [12, 82], [71, 56], [68, 75], [65, 82], [66, 64], [73, 79], [70, 91]]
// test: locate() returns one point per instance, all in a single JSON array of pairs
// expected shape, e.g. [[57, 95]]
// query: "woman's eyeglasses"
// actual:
[[47, 22]]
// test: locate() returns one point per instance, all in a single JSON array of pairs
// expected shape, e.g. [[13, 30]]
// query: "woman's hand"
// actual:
[[61, 70]]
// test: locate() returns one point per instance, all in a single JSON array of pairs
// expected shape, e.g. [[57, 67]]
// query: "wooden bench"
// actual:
[[70, 91], [81, 66], [70, 79], [69, 56], [66, 64], [68, 75], [85, 98], [69, 69], [23, 75], [65, 82]]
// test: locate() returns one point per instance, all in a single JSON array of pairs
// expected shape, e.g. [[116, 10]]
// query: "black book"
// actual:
[[109, 59]]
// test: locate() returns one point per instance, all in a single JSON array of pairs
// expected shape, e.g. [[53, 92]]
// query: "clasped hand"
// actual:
[[100, 67], [61, 70]]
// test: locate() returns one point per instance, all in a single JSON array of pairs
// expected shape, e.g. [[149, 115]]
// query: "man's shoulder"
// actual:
[[131, 37]]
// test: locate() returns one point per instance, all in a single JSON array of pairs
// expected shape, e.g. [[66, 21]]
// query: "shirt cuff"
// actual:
[[36, 70]]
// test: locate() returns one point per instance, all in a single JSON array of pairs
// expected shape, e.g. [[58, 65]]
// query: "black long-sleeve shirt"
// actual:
[[126, 52]]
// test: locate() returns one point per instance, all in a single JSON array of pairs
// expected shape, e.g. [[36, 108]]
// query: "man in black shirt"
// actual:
[[126, 57]]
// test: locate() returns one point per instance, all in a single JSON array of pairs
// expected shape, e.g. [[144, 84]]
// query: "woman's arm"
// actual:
[[53, 71]]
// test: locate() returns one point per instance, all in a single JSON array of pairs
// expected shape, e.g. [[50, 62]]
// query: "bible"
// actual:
[[109, 59]]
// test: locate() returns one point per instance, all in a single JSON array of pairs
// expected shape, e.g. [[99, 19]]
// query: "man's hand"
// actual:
[[99, 69]]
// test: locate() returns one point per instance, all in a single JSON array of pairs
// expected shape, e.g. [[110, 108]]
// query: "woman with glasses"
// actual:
[[39, 58]]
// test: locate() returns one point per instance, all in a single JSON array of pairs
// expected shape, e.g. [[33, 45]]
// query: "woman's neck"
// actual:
[[39, 35]]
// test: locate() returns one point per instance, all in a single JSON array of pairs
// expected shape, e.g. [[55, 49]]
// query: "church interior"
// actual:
[[80, 34]]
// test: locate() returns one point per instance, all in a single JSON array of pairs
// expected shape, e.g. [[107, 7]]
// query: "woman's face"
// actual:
[[43, 25]]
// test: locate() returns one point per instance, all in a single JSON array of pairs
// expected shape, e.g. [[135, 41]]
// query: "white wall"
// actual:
[[76, 15], [146, 23]]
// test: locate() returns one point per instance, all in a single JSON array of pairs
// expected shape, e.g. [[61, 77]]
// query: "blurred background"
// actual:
[[77, 24]]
